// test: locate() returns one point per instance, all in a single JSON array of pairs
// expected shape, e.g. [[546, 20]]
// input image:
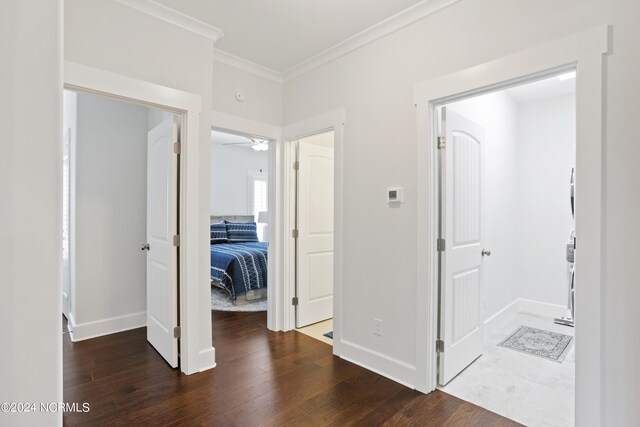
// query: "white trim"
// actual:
[[394, 369], [512, 306], [172, 16], [246, 65], [583, 51], [192, 286], [541, 308], [241, 125], [332, 120], [98, 328], [390, 25], [524, 305], [207, 359]]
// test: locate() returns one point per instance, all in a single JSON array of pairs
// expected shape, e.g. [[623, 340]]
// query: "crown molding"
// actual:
[[164, 13], [390, 25], [243, 64]]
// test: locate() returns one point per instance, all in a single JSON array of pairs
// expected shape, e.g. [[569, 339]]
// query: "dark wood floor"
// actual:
[[262, 378]]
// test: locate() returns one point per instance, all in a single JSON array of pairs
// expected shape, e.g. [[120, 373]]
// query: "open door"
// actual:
[[162, 259], [461, 323], [315, 229]]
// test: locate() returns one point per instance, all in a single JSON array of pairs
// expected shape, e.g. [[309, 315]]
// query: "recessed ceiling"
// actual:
[[279, 34]]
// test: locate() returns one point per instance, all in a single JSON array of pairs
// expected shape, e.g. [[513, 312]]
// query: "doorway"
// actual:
[[121, 220], [239, 217], [506, 250], [313, 235]]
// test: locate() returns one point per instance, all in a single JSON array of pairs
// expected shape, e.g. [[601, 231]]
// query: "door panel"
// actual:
[[315, 233], [162, 289], [461, 323]]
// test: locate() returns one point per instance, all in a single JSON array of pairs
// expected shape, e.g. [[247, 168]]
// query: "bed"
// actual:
[[238, 260]]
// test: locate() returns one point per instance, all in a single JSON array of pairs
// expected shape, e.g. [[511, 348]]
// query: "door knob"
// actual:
[[145, 247], [486, 252]]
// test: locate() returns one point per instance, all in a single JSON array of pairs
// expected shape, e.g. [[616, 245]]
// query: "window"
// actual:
[[258, 199]]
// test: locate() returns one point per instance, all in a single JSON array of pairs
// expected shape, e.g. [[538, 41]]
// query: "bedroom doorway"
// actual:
[[313, 235], [506, 249], [121, 167], [239, 217]]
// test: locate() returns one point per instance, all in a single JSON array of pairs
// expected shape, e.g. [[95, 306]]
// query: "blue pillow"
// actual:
[[218, 233], [239, 232]]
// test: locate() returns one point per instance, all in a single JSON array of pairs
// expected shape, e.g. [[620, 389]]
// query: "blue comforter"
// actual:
[[239, 267]]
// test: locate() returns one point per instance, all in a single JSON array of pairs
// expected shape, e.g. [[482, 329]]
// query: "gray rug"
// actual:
[[221, 301], [538, 342]]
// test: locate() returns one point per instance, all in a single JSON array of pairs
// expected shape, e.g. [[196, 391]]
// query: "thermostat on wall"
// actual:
[[395, 195]]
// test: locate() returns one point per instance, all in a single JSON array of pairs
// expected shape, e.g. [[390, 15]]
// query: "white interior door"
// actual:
[[461, 323], [162, 280], [315, 230]]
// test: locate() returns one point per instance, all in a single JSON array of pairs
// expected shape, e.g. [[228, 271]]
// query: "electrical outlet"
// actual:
[[377, 327]]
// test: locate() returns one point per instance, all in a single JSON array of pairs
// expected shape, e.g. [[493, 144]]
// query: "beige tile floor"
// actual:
[[318, 329], [522, 387]]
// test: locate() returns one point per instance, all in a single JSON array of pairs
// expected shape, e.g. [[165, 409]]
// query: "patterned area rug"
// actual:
[[538, 342], [221, 301]]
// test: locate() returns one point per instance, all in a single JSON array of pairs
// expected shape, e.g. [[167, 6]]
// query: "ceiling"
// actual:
[[279, 34], [542, 89], [229, 138]]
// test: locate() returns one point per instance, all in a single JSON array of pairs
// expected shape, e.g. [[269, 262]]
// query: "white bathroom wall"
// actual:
[[497, 113], [529, 151], [546, 152], [110, 216], [230, 167]]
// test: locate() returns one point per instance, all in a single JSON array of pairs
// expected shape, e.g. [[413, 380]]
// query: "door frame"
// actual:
[[583, 52], [82, 78], [329, 121], [243, 126]]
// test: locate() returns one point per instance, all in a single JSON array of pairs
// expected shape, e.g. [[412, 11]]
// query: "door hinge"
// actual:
[[441, 245], [442, 142], [296, 165], [294, 301], [439, 346], [177, 332], [176, 240], [177, 148], [294, 233]]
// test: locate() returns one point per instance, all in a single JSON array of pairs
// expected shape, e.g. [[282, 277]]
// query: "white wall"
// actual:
[[110, 215], [31, 213], [497, 113], [230, 167], [109, 36], [375, 86], [546, 152], [263, 101]]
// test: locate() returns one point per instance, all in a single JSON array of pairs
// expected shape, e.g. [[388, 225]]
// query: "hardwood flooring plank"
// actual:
[[262, 378]]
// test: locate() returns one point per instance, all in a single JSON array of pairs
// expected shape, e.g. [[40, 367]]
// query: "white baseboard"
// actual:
[[207, 359], [381, 364], [98, 328], [541, 308], [512, 306], [523, 305]]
